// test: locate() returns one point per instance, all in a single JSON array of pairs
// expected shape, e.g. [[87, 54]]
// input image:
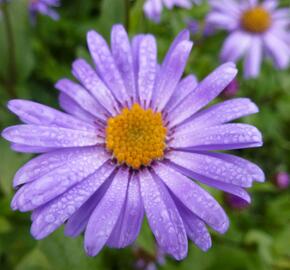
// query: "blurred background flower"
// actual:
[[44, 7], [153, 8], [256, 29]]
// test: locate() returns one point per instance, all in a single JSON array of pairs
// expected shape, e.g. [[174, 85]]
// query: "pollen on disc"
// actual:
[[136, 136]]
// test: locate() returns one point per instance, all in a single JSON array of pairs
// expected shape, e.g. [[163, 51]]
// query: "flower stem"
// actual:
[[12, 71], [127, 14]]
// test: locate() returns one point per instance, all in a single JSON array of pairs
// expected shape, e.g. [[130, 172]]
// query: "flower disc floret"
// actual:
[[136, 136], [256, 20]]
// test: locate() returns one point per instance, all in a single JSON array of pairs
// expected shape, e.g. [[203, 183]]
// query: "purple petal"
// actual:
[[56, 212], [256, 172], [90, 80], [153, 9], [212, 167], [222, 20], [222, 137], [106, 66], [229, 188], [71, 107], [82, 98], [205, 92], [130, 222], [278, 50], [270, 5], [38, 114], [195, 228], [30, 149], [218, 114], [105, 217], [182, 36], [47, 187], [43, 164], [54, 137], [235, 46], [170, 73], [122, 53], [147, 68], [163, 217], [136, 41], [77, 223], [253, 58], [183, 89], [194, 197]]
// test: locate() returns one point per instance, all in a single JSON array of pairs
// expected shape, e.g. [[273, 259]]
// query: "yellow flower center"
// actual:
[[256, 20], [136, 136]]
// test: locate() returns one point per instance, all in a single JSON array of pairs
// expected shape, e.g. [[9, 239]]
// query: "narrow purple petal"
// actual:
[[222, 137], [56, 212], [54, 137], [130, 222], [82, 98], [105, 217], [153, 9], [256, 172], [30, 149], [212, 167], [195, 228], [47, 187], [218, 114], [34, 113], [184, 35], [122, 53], [43, 164], [235, 46], [183, 89], [197, 200], [205, 92], [90, 80], [135, 43], [106, 66], [147, 68], [278, 50], [170, 74], [71, 107], [229, 188], [163, 217], [77, 223], [253, 58]]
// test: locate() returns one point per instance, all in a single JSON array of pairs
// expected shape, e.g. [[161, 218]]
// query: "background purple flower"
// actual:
[[257, 29], [87, 179], [282, 180], [44, 7], [153, 8]]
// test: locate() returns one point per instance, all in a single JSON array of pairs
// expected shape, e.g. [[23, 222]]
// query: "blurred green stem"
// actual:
[[127, 14], [12, 73]]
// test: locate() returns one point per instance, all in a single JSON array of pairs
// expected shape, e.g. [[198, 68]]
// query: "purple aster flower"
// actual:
[[44, 7], [131, 138], [282, 180], [256, 29], [153, 8]]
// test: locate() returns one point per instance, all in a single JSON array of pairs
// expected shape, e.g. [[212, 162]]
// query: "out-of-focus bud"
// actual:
[[235, 202], [192, 26], [231, 90], [282, 180]]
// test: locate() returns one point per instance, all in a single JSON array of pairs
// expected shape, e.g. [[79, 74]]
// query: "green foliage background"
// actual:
[[259, 237]]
